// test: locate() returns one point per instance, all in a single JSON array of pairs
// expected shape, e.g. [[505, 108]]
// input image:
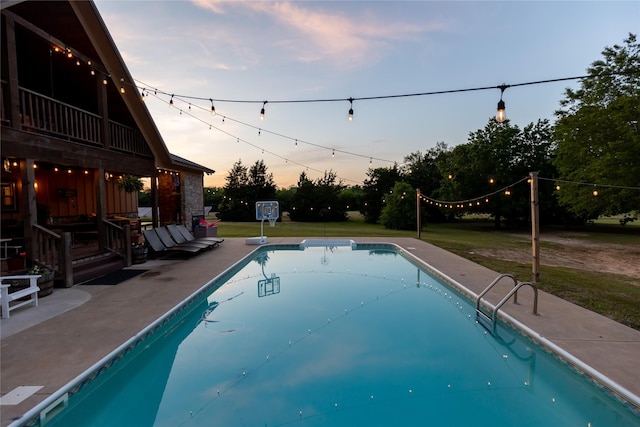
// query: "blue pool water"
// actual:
[[334, 336]]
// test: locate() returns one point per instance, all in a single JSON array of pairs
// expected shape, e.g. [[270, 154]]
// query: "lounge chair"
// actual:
[[180, 240], [154, 242], [190, 238], [168, 241]]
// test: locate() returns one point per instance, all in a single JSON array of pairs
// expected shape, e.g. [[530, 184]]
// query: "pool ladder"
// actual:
[[489, 319]]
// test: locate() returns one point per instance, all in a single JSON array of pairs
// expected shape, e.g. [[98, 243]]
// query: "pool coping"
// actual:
[[591, 339]]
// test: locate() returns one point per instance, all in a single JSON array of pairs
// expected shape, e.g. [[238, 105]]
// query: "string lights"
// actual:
[[94, 67], [260, 130]]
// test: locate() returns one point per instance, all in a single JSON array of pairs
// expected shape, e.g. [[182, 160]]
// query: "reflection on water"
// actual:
[[268, 285], [358, 338]]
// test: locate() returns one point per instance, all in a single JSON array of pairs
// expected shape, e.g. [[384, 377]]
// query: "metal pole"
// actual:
[[535, 228], [418, 222]]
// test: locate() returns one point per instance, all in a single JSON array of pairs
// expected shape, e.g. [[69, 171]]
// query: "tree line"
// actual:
[[588, 161]]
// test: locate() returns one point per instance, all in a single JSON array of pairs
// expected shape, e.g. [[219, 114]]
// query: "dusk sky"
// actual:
[[310, 50]]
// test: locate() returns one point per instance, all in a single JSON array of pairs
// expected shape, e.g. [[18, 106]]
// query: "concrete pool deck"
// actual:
[[49, 345]]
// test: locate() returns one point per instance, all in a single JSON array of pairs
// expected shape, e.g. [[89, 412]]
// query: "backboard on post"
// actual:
[[269, 211]]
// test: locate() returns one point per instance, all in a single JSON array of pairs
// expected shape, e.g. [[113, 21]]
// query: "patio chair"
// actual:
[[180, 240], [190, 238], [166, 240], [154, 242]]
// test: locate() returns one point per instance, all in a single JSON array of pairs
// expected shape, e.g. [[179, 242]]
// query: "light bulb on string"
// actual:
[[262, 110], [501, 115], [333, 153], [213, 109], [171, 102], [351, 109]]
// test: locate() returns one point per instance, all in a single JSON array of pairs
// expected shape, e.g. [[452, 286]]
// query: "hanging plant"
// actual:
[[130, 183]]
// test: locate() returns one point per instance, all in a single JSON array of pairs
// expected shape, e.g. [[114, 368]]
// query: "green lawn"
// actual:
[[612, 295]]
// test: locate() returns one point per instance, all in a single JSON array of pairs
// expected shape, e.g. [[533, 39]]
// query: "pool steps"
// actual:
[[488, 320]]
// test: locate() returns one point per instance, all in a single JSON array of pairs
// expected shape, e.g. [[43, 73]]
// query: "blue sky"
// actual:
[[302, 50]]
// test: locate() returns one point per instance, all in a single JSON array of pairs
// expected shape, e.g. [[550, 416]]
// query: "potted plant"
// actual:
[[45, 281], [138, 253], [130, 183]]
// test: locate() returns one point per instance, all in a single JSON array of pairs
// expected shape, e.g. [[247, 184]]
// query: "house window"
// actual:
[[9, 202]]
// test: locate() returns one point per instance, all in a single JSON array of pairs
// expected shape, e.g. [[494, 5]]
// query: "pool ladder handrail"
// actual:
[[513, 292]]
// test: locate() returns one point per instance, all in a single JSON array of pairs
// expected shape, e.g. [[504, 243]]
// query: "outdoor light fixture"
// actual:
[[213, 109], [351, 109], [171, 102], [262, 110], [501, 115]]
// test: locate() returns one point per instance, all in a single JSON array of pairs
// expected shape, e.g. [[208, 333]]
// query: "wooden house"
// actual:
[[76, 138]]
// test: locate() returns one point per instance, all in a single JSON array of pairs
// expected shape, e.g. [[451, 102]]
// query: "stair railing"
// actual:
[[118, 240], [53, 251]]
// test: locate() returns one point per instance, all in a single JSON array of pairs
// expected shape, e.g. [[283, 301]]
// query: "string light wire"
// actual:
[[295, 140], [238, 139], [591, 184]]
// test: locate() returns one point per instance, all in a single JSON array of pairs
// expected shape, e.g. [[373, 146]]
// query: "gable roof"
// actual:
[[94, 41]]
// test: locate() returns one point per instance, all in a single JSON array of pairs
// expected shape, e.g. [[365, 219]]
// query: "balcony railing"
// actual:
[[44, 115]]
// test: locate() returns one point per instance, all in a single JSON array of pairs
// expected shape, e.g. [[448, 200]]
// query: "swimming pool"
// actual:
[[334, 335]]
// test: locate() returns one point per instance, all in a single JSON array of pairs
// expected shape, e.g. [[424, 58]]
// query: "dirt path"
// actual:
[[576, 253]]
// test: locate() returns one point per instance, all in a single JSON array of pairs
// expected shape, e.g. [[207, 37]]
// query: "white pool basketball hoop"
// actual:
[[269, 211]]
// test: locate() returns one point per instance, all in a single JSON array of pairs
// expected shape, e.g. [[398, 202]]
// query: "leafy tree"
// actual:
[[421, 171], [213, 196], [144, 198], [318, 200], [496, 157], [598, 135], [399, 212], [285, 196], [351, 197], [379, 183]]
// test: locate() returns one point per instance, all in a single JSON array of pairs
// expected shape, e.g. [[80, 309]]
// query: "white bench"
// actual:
[[7, 298]]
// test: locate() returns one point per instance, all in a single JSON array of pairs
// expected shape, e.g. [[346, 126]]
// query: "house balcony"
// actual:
[[48, 117]]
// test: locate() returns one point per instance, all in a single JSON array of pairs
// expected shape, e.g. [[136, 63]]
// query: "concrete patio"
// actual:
[[72, 329]]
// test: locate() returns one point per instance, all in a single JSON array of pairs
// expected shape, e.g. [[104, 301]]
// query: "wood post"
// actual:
[[535, 228]]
